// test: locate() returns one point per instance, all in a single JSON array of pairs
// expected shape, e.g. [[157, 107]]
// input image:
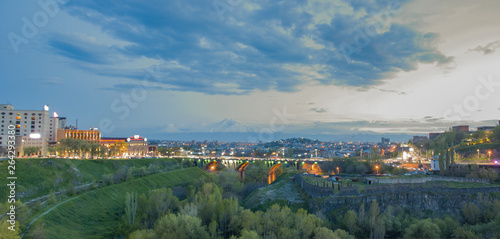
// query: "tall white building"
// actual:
[[31, 127]]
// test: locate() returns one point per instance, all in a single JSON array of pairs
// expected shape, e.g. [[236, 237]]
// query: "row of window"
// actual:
[[11, 113]]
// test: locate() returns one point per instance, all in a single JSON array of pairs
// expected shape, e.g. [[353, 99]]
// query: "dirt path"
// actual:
[[34, 220]]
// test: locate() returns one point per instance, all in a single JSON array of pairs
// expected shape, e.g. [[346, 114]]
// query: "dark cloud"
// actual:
[[319, 110], [247, 51], [488, 49]]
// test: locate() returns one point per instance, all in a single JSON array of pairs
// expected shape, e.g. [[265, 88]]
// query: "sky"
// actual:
[[255, 70]]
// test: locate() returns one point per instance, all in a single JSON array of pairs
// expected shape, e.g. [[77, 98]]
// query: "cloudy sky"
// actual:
[[309, 67]]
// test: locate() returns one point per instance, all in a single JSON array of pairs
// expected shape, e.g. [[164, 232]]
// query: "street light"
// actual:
[[489, 155], [338, 170], [477, 154], [376, 167]]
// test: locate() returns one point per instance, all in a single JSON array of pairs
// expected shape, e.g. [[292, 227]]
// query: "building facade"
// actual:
[[31, 127], [91, 136]]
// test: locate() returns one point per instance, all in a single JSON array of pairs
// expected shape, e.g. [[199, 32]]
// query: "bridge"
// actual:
[[241, 164]]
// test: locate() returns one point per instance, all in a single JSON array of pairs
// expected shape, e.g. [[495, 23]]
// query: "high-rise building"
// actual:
[[31, 127]]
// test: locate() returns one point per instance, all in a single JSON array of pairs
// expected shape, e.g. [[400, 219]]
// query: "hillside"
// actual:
[[97, 213], [37, 176]]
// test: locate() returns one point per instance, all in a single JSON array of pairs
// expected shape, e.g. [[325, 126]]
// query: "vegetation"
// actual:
[[42, 176], [95, 214]]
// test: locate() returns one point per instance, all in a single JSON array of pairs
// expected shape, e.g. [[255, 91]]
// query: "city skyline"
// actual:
[[255, 69]]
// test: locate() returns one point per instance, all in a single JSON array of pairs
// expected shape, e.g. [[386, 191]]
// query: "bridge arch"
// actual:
[[210, 167], [312, 168], [241, 170], [271, 176]]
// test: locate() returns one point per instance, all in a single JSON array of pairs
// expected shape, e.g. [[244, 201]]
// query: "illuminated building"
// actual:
[[91, 136], [31, 128]]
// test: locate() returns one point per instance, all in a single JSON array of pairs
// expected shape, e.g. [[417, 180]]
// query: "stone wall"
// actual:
[[427, 179], [316, 191]]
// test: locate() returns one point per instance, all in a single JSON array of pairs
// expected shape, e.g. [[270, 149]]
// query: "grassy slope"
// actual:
[[95, 214], [37, 177]]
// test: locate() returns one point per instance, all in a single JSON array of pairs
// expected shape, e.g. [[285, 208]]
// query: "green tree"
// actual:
[[249, 235], [179, 227], [131, 207], [257, 172], [471, 213], [462, 233], [143, 234], [374, 212], [350, 219], [28, 151], [340, 234], [446, 226], [424, 229], [495, 136]]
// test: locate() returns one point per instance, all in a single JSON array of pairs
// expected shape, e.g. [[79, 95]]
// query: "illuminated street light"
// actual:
[[376, 167], [338, 170], [478, 154], [489, 155]]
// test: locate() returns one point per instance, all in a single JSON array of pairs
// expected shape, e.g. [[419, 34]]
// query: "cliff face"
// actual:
[[439, 202]]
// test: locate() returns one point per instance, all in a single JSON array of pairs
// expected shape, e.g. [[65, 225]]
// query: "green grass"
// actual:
[[40, 176], [97, 213]]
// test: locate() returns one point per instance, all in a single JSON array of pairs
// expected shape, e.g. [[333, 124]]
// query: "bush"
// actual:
[[107, 179]]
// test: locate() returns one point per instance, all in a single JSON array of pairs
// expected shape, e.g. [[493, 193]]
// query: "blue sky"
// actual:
[[184, 67]]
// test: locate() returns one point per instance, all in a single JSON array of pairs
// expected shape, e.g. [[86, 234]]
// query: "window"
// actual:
[[32, 126], [18, 117], [33, 118], [18, 122], [32, 122]]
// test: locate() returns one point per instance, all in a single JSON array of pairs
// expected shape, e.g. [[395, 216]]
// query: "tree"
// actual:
[[28, 151], [374, 212], [471, 213], [131, 207], [256, 172], [495, 136], [249, 235], [341, 234], [143, 234], [180, 226], [447, 226], [350, 220], [422, 229], [462, 233]]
